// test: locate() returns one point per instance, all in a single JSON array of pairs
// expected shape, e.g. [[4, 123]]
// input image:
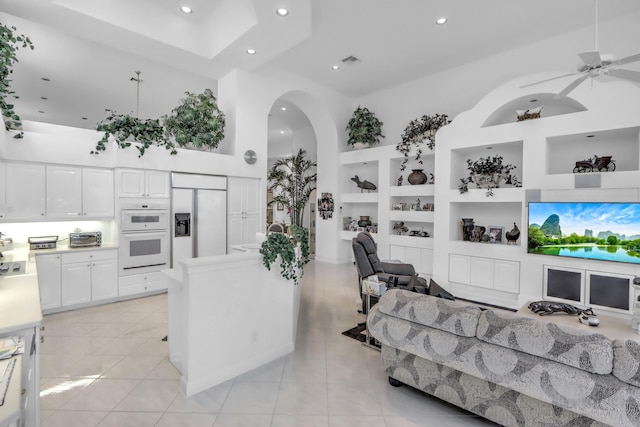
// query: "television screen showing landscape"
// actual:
[[600, 231]]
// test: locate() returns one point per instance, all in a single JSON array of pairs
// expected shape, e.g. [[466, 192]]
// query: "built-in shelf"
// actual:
[[359, 198], [411, 241], [412, 216], [411, 190], [348, 235], [551, 103]]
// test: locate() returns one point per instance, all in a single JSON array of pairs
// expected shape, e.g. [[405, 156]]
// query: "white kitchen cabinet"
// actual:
[[64, 192], [49, 280], [76, 283], [142, 283], [24, 191], [89, 276], [143, 183], [243, 195], [97, 193]]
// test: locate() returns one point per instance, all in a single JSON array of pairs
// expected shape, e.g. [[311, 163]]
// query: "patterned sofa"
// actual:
[[513, 370]]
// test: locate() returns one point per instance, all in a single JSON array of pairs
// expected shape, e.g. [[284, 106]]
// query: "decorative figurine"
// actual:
[[513, 235], [400, 227], [432, 179], [400, 181], [364, 185]]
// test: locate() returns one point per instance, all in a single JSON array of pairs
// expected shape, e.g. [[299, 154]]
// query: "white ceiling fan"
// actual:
[[595, 64]]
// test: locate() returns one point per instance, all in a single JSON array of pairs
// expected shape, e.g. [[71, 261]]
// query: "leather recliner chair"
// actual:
[[368, 264]]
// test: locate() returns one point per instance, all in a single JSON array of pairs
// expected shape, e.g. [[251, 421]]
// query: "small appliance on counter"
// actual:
[[42, 242], [85, 239]]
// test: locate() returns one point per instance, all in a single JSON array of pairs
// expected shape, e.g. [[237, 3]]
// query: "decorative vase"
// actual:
[[487, 181], [417, 177], [364, 221], [467, 228]]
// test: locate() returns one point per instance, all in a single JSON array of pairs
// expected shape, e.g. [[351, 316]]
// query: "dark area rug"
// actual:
[[358, 333]]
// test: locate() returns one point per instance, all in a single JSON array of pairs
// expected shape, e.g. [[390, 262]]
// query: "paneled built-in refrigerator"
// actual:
[[199, 216]]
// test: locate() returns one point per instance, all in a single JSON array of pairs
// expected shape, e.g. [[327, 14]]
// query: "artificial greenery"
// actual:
[[128, 130], [492, 168], [10, 43], [292, 180], [280, 244], [364, 127], [416, 132], [197, 122]]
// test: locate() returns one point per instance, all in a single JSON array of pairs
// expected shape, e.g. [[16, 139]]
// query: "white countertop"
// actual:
[[19, 303]]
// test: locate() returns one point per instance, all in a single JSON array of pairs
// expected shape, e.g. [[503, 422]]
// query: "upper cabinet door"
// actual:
[[157, 184], [235, 196], [130, 183], [251, 196], [97, 193], [64, 192], [25, 191]]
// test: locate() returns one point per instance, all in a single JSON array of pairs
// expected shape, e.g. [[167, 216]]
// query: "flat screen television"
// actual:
[[598, 231]]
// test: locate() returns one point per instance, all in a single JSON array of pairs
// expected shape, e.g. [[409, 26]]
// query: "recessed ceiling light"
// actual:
[[44, 97], [284, 108], [251, 51], [40, 111], [186, 9], [45, 79], [533, 100], [282, 11], [590, 136], [281, 131], [441, 21], [84, 118], [335, 67]]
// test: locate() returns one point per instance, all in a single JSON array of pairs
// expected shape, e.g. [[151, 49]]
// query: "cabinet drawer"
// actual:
[[87, 256], [141, 283]]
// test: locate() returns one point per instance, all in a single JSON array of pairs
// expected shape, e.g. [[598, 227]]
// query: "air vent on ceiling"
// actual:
[[350, 60]]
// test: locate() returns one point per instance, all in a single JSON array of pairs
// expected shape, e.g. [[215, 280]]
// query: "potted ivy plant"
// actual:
[[488, 172], [364, 128], [10, 43], [128, 130], [291, 261], [292, 179], [197, 122], [418, 132]]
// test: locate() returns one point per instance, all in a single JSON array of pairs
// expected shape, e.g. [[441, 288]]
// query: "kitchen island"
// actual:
[[228, 314], [21, 316]]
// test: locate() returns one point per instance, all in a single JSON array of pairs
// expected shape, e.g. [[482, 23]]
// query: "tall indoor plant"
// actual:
[[292, 180], [364, 128], [419, 131], [197, 122], [10, 43]]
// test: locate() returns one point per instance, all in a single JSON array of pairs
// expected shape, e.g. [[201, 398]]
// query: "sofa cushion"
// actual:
[[585, 350], [626, 361], [450, 316]]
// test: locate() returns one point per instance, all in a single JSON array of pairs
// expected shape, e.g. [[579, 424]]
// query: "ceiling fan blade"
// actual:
[[548, 80], [626, 74], [628, 59], [591, 59], [573, 85]]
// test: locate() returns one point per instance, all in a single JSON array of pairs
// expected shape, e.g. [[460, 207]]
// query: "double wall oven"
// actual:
[[144, 236]]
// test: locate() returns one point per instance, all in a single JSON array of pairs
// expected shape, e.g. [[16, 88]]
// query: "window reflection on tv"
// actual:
[[599, 231]]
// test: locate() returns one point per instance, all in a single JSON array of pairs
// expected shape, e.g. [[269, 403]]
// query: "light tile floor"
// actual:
[[107, 366]]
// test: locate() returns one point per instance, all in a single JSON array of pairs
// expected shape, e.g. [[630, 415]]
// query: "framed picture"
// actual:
[[280, 206], [496, 234]]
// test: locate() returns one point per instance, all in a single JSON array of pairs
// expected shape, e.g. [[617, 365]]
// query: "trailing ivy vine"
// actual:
[[10, 43], [280, 244], [128, 130]]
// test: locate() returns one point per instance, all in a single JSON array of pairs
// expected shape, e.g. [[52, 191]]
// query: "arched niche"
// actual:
[[552, 105]]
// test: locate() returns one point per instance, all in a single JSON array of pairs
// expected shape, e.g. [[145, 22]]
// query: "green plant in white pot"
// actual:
[[417, 133], [197, 122], [364, 128], [10, 43], [487, 173]]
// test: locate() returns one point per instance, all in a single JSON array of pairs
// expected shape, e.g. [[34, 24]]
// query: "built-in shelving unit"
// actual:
[[597, 119]]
